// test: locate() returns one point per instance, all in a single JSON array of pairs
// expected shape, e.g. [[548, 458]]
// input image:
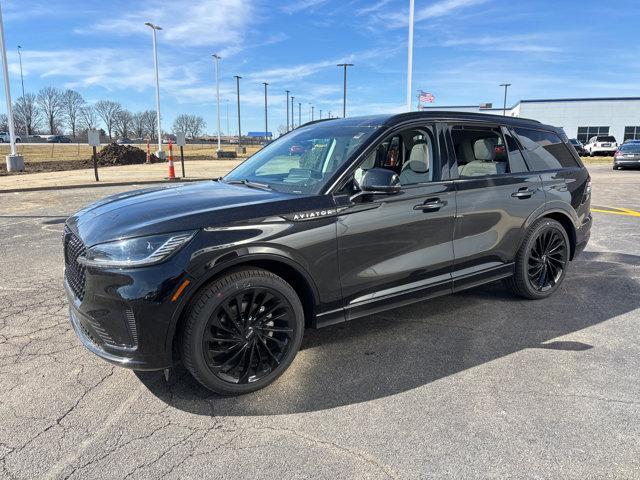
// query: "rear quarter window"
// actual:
[[546, 150]]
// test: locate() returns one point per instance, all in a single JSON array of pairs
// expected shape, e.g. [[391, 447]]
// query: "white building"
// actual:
[[581, 118]]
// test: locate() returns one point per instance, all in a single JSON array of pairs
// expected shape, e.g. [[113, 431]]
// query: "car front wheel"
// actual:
[[541, 263], [243, 331]]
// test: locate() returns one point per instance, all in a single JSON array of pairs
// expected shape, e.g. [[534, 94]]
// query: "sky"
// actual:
[[463, 50]]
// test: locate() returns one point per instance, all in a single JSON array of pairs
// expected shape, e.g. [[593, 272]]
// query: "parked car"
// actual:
[[225, 276], [601, 145], [58, 139], [628, 155], [123, 141], [296, 150], [579, 146], [5, 138]]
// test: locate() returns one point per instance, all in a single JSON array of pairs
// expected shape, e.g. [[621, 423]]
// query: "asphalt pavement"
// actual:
[[474, 385]]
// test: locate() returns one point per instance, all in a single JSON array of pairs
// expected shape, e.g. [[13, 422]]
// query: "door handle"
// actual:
[[523, 193], [432, 205]]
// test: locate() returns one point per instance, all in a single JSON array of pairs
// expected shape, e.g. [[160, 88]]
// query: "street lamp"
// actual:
[[504, 105], [238, 77], [154, 28], [320, 114], [312, 112], [228, 130], [410, 57], [15, 162], [293, 123], [266, 121], [299, 113], [344, 92], [287, 107], [216, 59], [26, 124]]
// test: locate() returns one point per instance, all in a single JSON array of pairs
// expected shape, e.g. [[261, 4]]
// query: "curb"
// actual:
[[100, 184]]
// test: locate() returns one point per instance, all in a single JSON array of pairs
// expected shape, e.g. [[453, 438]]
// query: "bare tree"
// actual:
[[137, 124], [4, 122], [88, 118], [181, 123], [107, 110], [149, 121], [26, 113], [196, 126], [123, 122], [49, 100], [72, 103]]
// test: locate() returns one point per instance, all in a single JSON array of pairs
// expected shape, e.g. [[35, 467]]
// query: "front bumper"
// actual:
[[125, 316], [626, 162]]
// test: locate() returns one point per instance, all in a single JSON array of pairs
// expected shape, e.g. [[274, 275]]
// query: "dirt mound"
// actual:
[[114, 154]]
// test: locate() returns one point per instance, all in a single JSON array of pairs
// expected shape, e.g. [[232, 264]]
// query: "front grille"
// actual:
[[74, 272]]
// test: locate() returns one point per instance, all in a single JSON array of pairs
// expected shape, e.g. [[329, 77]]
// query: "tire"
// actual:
[[247, 321], [542, 260], [18, 140], [615, 167]]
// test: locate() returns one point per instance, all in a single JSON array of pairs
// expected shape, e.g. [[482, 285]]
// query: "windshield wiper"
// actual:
[[250, 183]]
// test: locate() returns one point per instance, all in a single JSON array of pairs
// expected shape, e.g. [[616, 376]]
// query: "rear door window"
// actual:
[[546, 150]]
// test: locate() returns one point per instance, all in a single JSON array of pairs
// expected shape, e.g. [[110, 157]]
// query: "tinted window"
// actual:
[[479, 151], [546, 150], [630, 148], [516, 160]]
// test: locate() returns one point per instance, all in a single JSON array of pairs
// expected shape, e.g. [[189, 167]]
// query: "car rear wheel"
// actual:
[[243, 331], [541, 263]]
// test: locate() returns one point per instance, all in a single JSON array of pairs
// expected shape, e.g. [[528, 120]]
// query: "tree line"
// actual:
[[52, 110]]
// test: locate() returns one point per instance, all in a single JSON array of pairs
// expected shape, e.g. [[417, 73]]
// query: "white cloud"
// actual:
[[395, 19], [215, 23], [300, 5], [509, 43]]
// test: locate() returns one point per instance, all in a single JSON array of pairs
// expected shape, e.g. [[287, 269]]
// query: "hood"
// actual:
[[174, 208]]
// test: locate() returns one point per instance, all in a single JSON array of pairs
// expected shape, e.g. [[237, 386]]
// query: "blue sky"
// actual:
[[463, 50]]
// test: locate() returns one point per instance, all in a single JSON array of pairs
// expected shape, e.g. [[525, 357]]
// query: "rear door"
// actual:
[[495, 194]]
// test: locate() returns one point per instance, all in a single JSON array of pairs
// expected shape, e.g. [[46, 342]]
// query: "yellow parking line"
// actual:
[[617, 211]]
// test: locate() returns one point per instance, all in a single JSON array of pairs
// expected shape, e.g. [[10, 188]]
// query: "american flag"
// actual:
[[426, 97]]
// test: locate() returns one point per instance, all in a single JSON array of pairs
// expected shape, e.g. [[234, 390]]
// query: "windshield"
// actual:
[[574, 141], [303, 160], [630, 148], [606, 139]]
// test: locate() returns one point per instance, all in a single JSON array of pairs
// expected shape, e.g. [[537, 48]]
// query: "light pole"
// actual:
[[154, 28], [504, 105], [238, 77], [228, 130], [312, 112], [299, 113], [266, 117], [216, 59], [287, 107], [26, 125], [293, 123], [410, 57], [321, 114], [15, 162], [344, 87]]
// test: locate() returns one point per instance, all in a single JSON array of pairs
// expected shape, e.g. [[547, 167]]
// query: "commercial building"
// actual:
[[581, 118]]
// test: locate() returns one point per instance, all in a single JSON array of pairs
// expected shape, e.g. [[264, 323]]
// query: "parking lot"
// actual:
[[478, 384]]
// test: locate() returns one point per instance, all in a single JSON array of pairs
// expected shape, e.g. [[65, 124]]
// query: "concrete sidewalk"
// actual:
[[129, 174]]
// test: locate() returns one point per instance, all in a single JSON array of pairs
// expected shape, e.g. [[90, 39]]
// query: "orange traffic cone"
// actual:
[[172, 171]]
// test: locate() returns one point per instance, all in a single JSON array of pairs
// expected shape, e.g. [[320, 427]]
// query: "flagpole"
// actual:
[[410, 56]]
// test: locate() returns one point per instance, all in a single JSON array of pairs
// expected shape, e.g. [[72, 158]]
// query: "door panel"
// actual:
[[488, 232], [397, 251]]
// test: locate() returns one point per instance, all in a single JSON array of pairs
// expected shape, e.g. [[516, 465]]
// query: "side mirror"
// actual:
[[380, 181]]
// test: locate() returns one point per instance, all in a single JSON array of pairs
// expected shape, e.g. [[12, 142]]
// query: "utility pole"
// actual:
[[293, 123], [266, 122], [154, 28], [15, 162], [504, 105], [344, 87], [410, 57], [238, 77], [216, 59], [287, 105]]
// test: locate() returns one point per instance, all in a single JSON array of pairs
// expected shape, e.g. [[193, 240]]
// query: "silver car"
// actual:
[[628, 155]]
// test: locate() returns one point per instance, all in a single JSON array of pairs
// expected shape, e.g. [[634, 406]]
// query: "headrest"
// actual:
[[485, 149]]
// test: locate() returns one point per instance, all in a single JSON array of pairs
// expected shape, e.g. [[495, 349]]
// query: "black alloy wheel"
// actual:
[[248, 335], [547, 259], [243, 331], [542, 260]]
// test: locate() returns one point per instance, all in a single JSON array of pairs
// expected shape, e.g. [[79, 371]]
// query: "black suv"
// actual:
[[377, 212]]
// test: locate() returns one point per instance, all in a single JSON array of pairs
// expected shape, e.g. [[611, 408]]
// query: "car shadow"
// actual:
[[409, 347]]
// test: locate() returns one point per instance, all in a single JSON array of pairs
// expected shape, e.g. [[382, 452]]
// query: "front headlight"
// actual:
[[135, 252]]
